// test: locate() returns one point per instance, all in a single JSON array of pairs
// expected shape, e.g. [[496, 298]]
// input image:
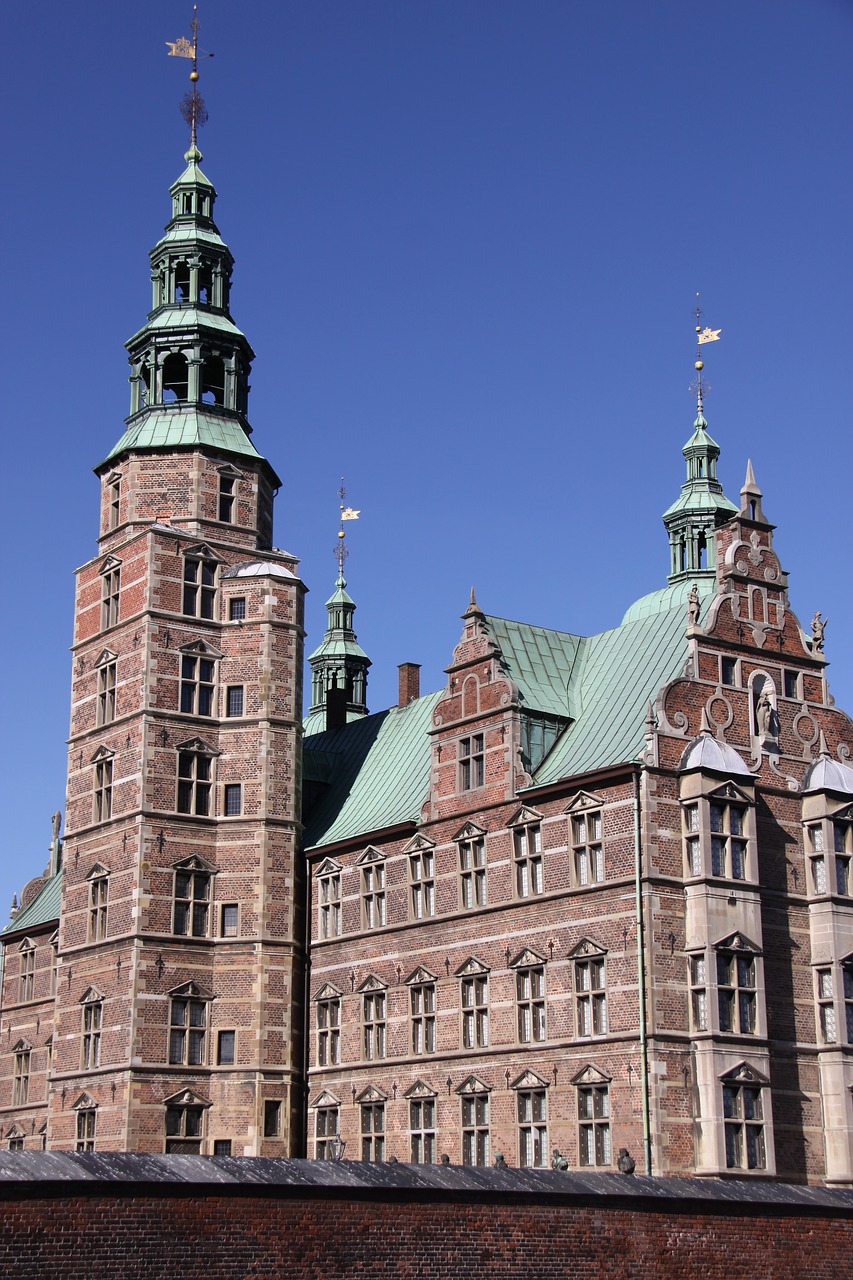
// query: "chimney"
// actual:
[[409, 674], [336, 708]]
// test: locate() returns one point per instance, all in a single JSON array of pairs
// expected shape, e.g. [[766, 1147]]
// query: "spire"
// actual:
[[340, 663], [750, 497]]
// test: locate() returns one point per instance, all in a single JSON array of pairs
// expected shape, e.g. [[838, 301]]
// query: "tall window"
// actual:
[[527, 847], [728, 840], [197, 679], [736, 992], [26, 974], [422, 998], [184, 1130], [330, 905], [530, 1001], [98, 891], [471, 762], [475, 1012], [373, 895], [744, 1121], [227, 499], [373, 1010], [591, 997], [199, 587], [475, 1128], [21, 1077], [192, 903], [588, 849], [699, 992], [328, 1032], [229, 920], [194, 783], [325, 1131], [110, 590], [226, 1047], [472, 873], [234, 700], [187, 1032], [86, 1121], [532, 1128], [842, 838], [422, 882], [103, 790], [847, 989], [232, 799], [107, 693], [373, 1131], [90, 1056], [115, 503], [690, 818], [422, 1129], [826, 1006], [272, 1117], [594, 1125]]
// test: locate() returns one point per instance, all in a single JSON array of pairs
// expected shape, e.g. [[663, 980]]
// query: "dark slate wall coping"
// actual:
[[37, 1174]]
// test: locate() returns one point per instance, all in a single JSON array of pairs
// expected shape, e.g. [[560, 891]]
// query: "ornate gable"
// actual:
[[473, 1085], [371, 1094], [591, 1074], [97, 871], [586, 947], [370, 855], [525, 959], [195, 863], [529, 1080], [419, 975], [728, 791], [92, 996], [420, 1089], [327, 992], [84, 1103], [104, 657], [524, 816], [471, 966], [103, 753], [372, 983], [583, 800], [200, 648], [738, 941], [743, 1073]]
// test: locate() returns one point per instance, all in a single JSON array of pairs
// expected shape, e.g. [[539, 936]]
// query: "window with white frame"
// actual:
[[471, 762], [531, 1108], [187, 1032], [199, 600], [92, 1018], [693, 847], [594, 1125], [329, 894], [472, 873], [373, 1024], [191, 911], [842, 841], [698, 968], [87, 1118], [110, 596], [106, 712], [198, 677], [21, 1074], [373, 895], [475, 1128], [591, 997], [103, 790], [588, 848], [422, 1130], [422, 1001], [475, 1011], [743, 1111], [530, 1003], [736, 992], [422, 884], [329, 1031], [826, 1006], [527, 851], [227, 499], [98, 893], [26, 974], [194, 782], [326, 1125], [373, 1131]]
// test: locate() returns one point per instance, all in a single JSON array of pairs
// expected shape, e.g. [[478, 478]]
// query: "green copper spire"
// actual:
[[339, 662], [699, 509]]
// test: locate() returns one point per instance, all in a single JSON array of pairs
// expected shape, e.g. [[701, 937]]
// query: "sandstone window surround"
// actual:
[[326, 1109], [373, 907], [21, 1073], [531, 1093], [185, 1122], [421, 863], [328, 1025], [373, 1012], [194, 780], [26, 970], [834, 1001], [99, 887], [371, 1104], [829, 848], [422, 1122], [475, 1112], [110, 592], [718, 830], [200, 582], [188, 1025], [113, 492], [745, 1115], [593, 1100], [473, 978], [107, 668], [471, 762], [91, 1018], [526, 834], [328, 877], [192, 893], [590, 977], [422, 986], [530, 996], [102, 785], [86, 1110], [227, 509], [473, 884], [586, 837]]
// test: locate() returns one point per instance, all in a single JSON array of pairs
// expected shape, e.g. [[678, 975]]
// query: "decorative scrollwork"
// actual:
[[722, 722], [843, 751]]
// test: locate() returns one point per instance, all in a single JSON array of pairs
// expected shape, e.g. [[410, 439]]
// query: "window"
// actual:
[[472, 873], [236, 608], [54, 965], [728, 671], [594, 1125], [226, 1043], [530, 996], [197, 677], [842, 839], [373, 1131], [699, 992], [847, 988], [272, 1118], [330, 905], [421, 878], [103, 790], [471, 762], [690, 818], [234, 700], [21, 1077], [591, 997], [422, 998], [222, 1147], [826, 1006], [16, 1142], [90, 1056], [187, 1032], [227, 499], [527, 847], [98, 891], [422, 1127], [818, 861], [589, 855], [26, 974], [325, 1132], [194, 782], [229, 918], [475, 1013], [728, 843], [736, 992], [373, 1010], [86, 1120], [744, 1115], [192, 902], [532, 1130], [115, 503], [233, 803], [373, 895], [106, 693], [199, 587], [475, 1128], [328, 1032], [792, 684], [110, 589], [184, 1130]]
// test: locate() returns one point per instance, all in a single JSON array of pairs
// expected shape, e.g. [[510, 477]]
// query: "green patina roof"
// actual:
[[543, 663], [43, 908], [671, 597], [189, 318], [183, 428], [335, 645], [192, 176]]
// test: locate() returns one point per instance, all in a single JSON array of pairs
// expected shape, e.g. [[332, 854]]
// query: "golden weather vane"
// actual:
[[702, 336], [192, 108], [347, 513]]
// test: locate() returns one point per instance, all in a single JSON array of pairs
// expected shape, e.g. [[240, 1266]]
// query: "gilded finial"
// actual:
[[347, 513], [702, 336], [192, 108]]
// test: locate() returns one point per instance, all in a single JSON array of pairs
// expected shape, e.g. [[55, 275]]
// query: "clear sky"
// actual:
[[468, 236]]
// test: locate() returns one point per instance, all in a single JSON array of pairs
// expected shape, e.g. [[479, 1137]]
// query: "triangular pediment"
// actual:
[[327, 992], [420, 1089], [370, 855], [109, 564], [743, 1073], [471, 966], [190, 991], [23, 1046], [738, 941], [328, 867], [105, 657], [197, 744], [728, 791], [194, 863], [583, 800], [92, 996], [97, 872], [325, 1099], [200, 551], [371, 1094], [84, 1103], [419, 975], [471, 831], [845, 813], [529, 1080], [200, 648], [113, 477], [524, 816], [587, 947], [372, 983], [187, 1098], [526, 959], [847, 960], [473, 1084], [103, 753], [15, 1132], [27, 945], [591, 1074], [229, 472], [418, 844]]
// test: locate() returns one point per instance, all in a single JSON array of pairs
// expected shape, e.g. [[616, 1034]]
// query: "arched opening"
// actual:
[[213, 380], [205, 284], [703, 551], [188, 202], [752, 508], [175, 377], [701, 467], [682, 555], [182, 283]]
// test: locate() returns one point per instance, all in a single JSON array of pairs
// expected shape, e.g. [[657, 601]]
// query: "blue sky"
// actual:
[[468, 238]]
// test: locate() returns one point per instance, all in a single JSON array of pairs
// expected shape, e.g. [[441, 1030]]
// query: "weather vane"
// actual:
[[702, 336], [347, 513], [192, 108]]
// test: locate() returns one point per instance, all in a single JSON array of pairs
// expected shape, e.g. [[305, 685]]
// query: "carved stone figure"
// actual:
[[626, 1162], [693, 606], [764, 714], [818, 628], [559, 1161], [55, 824], [500, 1162], [444, 1159]]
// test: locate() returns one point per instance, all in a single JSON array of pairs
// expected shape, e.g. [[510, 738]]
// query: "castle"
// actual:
[[592, 893]]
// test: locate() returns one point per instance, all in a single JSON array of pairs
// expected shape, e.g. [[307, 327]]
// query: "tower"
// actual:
[[339, 664], [699, 509]]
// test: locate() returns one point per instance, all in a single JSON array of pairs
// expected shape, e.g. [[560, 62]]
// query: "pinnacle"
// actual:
[[749, 484], [705, 723]]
